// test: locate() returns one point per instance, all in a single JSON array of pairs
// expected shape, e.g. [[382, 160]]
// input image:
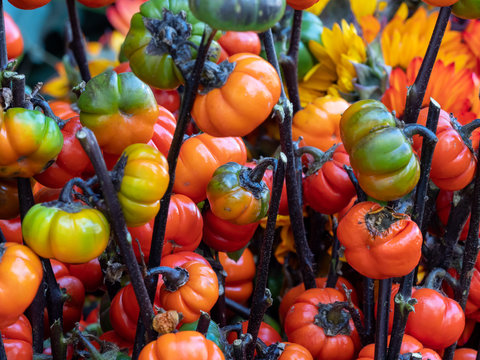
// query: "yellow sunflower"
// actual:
[[405, 39], [334, 73]]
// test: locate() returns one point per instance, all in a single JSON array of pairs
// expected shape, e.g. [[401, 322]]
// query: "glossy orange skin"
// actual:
[[329, 190], [9, 207], [301, 4], [300, 328], [29, 4], [183, 232], [319, 122], [199, 157], [184, 345], [199, 293], [72, 161], [391, 253], [21, 273], [234, 42], [124, 311], [13, 37], [440, 2], [163, 130], [29, 141], [289, 298], [223, 111], [12, 230], [17, 339], [465, 354], [451, 150], [222, 235], [409, 345], [238, 283], [437, 321], [266, 333], [295, 352]]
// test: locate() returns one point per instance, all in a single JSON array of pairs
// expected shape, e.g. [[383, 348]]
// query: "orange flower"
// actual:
[[456, 91], [120, 14]]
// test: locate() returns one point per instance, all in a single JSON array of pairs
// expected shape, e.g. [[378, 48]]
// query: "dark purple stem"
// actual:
[[258, 311], [89, 143], [470, 255], [383, 308], [77, 44], [289, 62], [3, 40], [416, 92], [293, 193]]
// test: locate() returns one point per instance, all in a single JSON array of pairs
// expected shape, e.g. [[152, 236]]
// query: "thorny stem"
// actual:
[[284, 117], [289, 62], [3, 40], [258, 311], [361, 196], [77, 44], [417, 91], [89, 143], [26, 201], [428, 146], [383, 308], [369, 308], [237, 308], [203, 323], [470, 255], [332, 276]]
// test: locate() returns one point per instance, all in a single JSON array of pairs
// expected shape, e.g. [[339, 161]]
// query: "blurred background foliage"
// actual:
[[43, 33]]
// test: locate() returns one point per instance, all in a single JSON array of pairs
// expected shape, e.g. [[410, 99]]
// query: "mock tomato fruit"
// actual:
[[301, 4], [310, 319], [89, 273], [238, 15], [440, 2], [12, 230], [467, 9], [222, 111], [437, 321], [21, 273], [163, 130], [234, 42], [29, 141], [380, 243], [145, 180], [150, 61], [13, 37], [240, 273], [409, 345], [266, 333], [222, 235], [386, 166], [201, 281], [120, 109], [295, 352], [28, 4], [451, 150], [328, 189], [183, 345], [71, 233], [9, 207], [72, 161], [17, 339], [73, 287], [319, 122], [199, 157], [234, 195], [183, 232]]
